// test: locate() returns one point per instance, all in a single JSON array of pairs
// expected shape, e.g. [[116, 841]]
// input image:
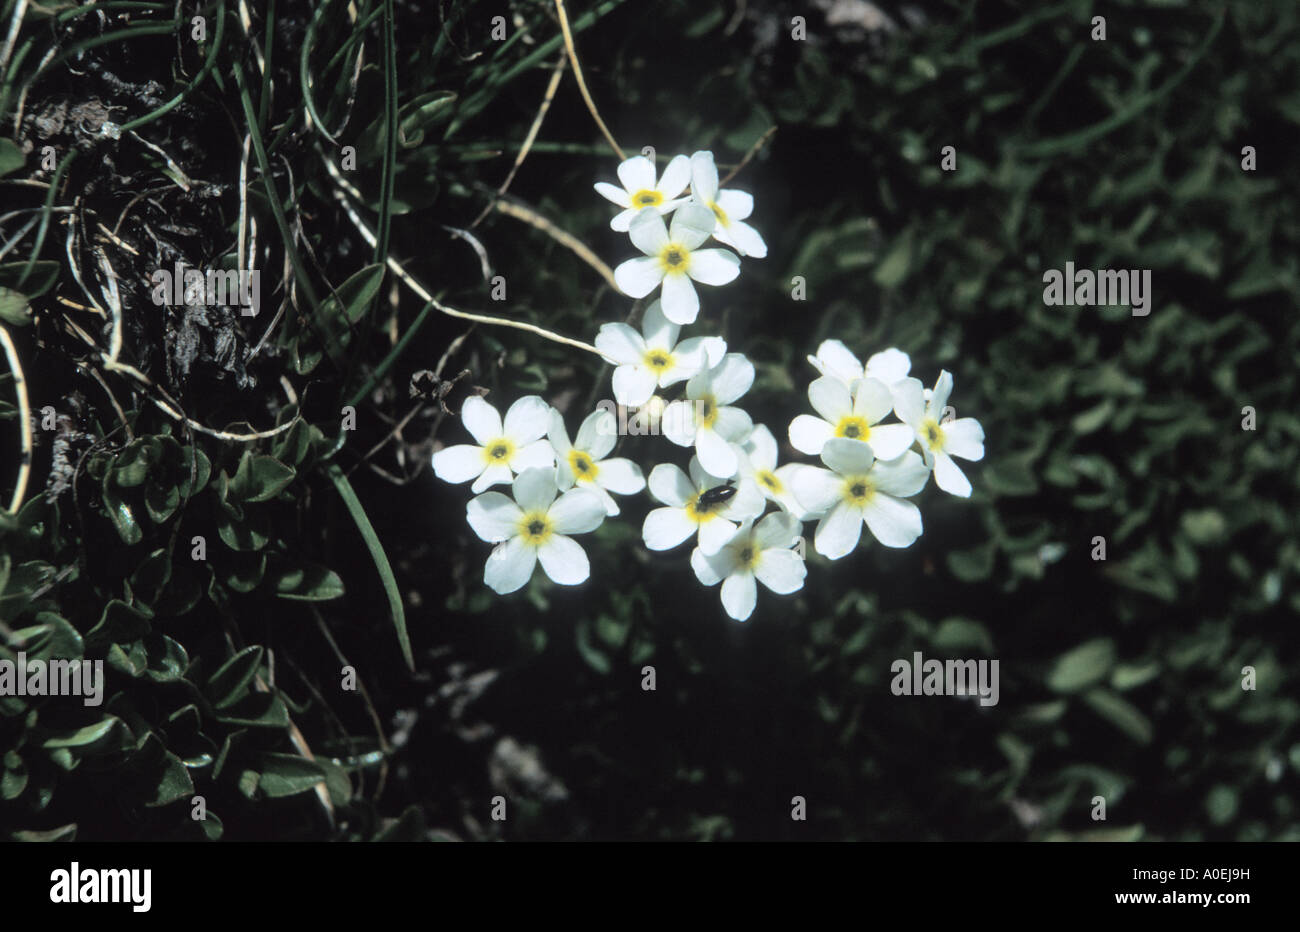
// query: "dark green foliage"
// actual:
[[1119, 679]]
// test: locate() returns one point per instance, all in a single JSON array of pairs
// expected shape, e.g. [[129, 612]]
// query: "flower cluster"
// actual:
[[743, 511]]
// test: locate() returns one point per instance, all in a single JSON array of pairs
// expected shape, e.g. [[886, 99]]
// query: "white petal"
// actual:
[[633, 385], [637, 277], [847, 457], [527, 420], [704, 176], [577, 512], [731, 378], [715, 534], [481, 420], [781, 571], [739, 595], [714, 266], [535, 489], [493, 517], [872, 400], [598, 433], [893, 521], [622, 221], [889, 366], [715, 453], [611, 506], [620, 344], [776, 530], [838, 532], [659, 331], [537, 455], [909, 402], [964, 437], [564, 560], [942, 389], [746, 504], [611, 192], [680, 302], [949, 477], [816, 489], [648, 232], [498, 474], [460, 463], [678, 423], [733, 424], [665, 528], [745, 238], [701, 478], [839, 362], [558, 434], [737, 205], [903, 477], [830, 398], [637, 174], [809, 434], [761, 447], [692, 225], [675, 177], [888, 441], [668, 484], [621, 476], [509, 566], [704, 568]]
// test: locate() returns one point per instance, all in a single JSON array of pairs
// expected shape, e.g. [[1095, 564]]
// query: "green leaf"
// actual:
[[120, 513], [309, 582], [13, 304], [1079, 668], [422, 113], [81, 737], [44, 274], [230, 683], [260, 478], [174, 782], [11, 157], [347, 306], [1120, 713], [377, 555], [287, 774]]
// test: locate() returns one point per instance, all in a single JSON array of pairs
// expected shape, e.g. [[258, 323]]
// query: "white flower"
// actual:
[[654, 358], [759, 553], [854, 415], [729, 207], [940, 441], [758, 464], [674, 258], [534, 527], [502, 450], [640, 191], [856, 490], [834, 359], [705, 420], [584, 464], [685, 514]]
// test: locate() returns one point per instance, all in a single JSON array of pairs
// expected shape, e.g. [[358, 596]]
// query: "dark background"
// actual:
[[1119, 679]]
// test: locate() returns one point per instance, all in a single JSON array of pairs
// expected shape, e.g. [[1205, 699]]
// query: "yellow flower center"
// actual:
[[770, 480], [747, 556], [706, 411], [675, 259], [932, 433], [498, 452], [720, 214], [644, 198], [855, 428], [535, 528], [584, 468], [658, 360], [858, 490]]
